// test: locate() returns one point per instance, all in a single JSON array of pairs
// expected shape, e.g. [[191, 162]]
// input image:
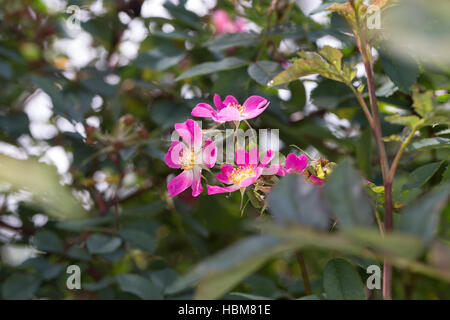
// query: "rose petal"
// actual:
[[209, 153], [191, 133], [254, 113], [204, 110], [218, 102], [228, 114], [230, 101], [217, 189], [253, 103], [242, 157], [295, 163], [222, 176], [172, 157], [180, 183], [267, 158], [196, 181]]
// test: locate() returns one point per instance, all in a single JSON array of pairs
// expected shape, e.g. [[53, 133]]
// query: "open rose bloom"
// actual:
[[189, 155], [247, 170], [230, 109]]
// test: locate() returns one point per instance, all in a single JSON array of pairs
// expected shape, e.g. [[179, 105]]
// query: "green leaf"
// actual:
[[428, 143], [78, 253], [402, 71], [423, 102], [210, 67], [263, 71], [140, 286], [298, 97], [166, 113], [5, 70], [446, 174], [232, 40], [44, 268], [139, 239], [160, 58], [20, 287], [48, 241], [409, 121], [293, 199], [421, 175], [341, 281], [329, 94], [100, 243], [346, 195], [422, 216], [327, 64]]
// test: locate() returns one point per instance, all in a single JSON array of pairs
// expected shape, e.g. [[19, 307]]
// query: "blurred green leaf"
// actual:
[[20, 287], [140, 286], [421, 175], [48, 241], [100, 243], [347, 197], [422, 216], [42, 181], [210, 67], [263, 71], [403, 70], [231, 40], [342, 282], [139, 239], [428, 143], [292, 200]]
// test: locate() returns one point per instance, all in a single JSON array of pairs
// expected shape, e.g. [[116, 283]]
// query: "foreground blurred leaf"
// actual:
[[293, 200], [210, 67], [42, 181], [349, 202], [140, 286], [223, 271], [342, 282], [421, 217]]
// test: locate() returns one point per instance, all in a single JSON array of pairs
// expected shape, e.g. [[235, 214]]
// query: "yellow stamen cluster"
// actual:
[[187, 159], [238, 107], [241, 173]]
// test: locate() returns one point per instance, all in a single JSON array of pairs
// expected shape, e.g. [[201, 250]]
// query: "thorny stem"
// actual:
[[304, 271], [365, 51]]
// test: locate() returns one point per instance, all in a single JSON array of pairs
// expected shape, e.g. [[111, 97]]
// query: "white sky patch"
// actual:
[[329, 41], [58, 157], [79, 49], [154, 8], [200, 7]]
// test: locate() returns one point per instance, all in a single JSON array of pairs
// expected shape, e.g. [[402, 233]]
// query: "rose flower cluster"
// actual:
[[196, 152]]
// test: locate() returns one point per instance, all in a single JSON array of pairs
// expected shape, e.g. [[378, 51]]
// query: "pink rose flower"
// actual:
[[296, 164], [317, 181], [189, 155], [230, 109], [223, 23], [247, 171]]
